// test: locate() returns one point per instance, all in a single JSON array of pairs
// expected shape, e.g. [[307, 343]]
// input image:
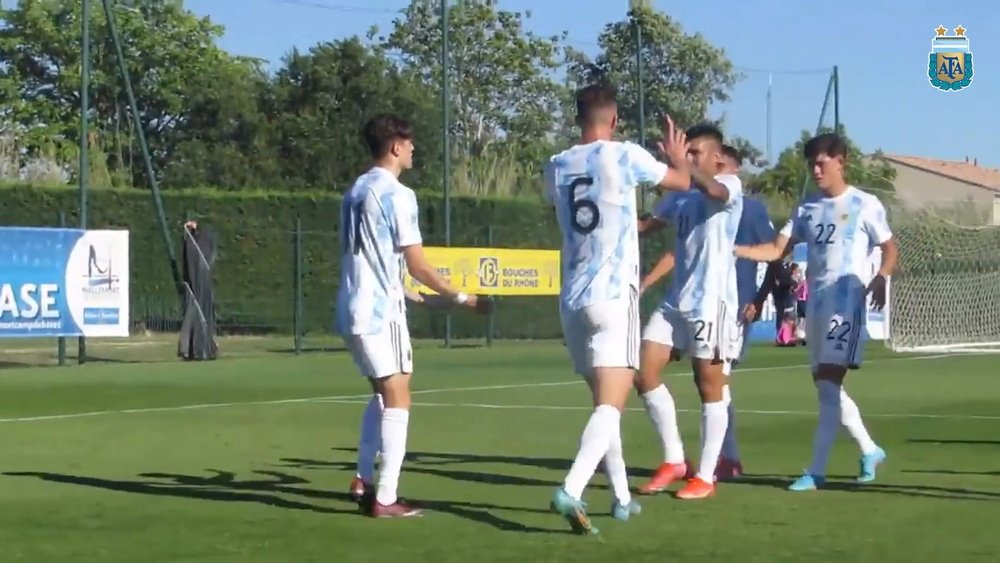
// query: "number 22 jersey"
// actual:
[[839, 233]]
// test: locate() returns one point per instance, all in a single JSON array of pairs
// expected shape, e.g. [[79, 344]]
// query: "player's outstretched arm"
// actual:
[[711, 187], [767, 285], [661, 269], [649, 224], [430, 300], [425, 273], [767, 252]]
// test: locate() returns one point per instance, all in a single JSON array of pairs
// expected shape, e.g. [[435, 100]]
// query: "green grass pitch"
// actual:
[[248, 460]]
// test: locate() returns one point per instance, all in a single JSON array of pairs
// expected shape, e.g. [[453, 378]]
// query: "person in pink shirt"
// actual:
[[801, 292]]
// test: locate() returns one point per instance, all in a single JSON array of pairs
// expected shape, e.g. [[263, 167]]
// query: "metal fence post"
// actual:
[[490, 319], [297, 280], [61, 346]]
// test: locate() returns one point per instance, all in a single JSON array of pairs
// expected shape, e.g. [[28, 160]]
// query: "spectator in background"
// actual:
[[778, 282], [800, 290]]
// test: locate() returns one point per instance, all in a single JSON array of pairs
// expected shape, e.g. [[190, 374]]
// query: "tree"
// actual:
[[790, 174], [682, 74], [170, 53], [321, 99], [500, 74], [227, 139], [751, 154]]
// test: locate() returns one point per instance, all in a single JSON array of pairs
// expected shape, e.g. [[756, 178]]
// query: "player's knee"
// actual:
[[830, 372], [709, 379], [654, 360], [395, 390], [612, 386]]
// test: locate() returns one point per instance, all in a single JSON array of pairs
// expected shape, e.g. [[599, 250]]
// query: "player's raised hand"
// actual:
[[674, 144], [877, 290]]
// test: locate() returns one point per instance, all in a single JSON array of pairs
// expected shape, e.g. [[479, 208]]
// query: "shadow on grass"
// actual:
[[452, 474], [273, 490], [952, 472], [449, 458], [955, 442], [849, 485], [221, 487], [310, 350]]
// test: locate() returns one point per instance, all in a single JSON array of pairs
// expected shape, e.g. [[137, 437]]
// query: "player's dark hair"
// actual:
[[381, 131], [830, 144], [733, 153], [705, 130], [592, 99]]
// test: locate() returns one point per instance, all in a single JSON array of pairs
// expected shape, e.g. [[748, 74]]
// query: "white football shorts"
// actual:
[[705, 339], [603, 335], [380, 355]]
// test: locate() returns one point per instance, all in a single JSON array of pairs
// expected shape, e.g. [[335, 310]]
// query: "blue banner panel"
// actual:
[[63, 282]]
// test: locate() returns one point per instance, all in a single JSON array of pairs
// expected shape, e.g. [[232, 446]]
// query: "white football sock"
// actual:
[[729, 449], [394, 427], [663, 413], [371, 438], [850, 417], [826, 429], [715, 419], [594, 444], [614, 467]]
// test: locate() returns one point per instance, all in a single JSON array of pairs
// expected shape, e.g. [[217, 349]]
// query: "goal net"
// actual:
[[945, 293]]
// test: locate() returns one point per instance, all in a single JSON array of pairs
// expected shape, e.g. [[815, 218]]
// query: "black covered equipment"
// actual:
[[197, 338]]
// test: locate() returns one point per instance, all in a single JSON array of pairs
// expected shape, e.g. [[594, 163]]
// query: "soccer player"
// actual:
[[379, 235], [592, 186], [699, 314], [755, 227], [370, 440], [839, 226]]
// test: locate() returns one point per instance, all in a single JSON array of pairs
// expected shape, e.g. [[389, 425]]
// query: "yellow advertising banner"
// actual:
[[494, 271]]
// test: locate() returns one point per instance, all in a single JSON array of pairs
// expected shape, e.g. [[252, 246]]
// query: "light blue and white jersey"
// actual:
[[705, 266], [839, 232], [755, 228], [378, 219], [592, 187]]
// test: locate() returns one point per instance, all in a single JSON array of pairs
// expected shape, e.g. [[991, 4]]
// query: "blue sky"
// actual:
[[880, 46]]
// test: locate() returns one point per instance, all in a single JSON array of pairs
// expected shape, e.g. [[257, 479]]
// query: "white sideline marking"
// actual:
[[339, 398], [693, 411]]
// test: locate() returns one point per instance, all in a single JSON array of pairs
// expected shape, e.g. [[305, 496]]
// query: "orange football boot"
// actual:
[[696, 489], [666, 474]]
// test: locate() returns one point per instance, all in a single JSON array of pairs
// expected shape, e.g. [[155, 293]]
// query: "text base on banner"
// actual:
[[64, 282]]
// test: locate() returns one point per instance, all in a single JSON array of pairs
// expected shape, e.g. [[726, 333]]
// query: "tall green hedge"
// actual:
[[255, 266]]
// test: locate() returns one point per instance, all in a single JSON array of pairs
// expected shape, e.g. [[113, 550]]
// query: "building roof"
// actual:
[[968, 172]]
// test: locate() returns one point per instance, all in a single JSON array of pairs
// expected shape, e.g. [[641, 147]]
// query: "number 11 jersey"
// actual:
[[378, 220], [592, 187]]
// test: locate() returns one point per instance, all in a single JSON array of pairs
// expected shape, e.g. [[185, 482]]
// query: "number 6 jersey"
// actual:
[[592, 187]]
